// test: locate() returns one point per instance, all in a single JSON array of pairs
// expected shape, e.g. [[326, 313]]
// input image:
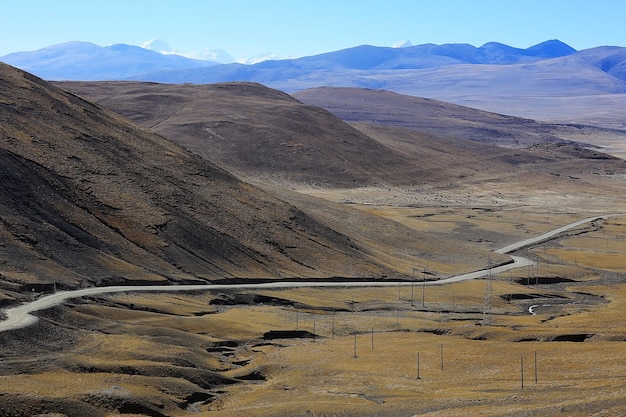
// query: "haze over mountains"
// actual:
[[80, 60], [87, 61], [550, 81]]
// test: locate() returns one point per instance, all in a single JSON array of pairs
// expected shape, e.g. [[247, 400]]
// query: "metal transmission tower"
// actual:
[[488, 295]]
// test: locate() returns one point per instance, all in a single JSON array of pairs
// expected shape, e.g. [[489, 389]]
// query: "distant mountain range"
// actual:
[[529, 82], [551, 67], [87, 61], [156, 61]]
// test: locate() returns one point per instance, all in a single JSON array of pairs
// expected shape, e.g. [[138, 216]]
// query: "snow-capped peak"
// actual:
[[157, 45], [268, 56], [216, 55], [402, 44]]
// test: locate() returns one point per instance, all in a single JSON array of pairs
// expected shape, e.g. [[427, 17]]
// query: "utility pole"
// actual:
[[424, 289], [537, 269], [441, 354], [488, 294], [529, 266], [418, 366], [413, 288], [398, 316]]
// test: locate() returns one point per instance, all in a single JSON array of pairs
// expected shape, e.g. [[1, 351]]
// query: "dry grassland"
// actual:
[[482, 365], [363, 359]]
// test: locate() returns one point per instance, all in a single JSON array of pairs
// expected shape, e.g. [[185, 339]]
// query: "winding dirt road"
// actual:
[[20, 316]]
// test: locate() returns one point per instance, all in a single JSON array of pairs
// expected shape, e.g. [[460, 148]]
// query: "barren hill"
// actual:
[[89, 198], [263, 134], [438, 117], [443, 118], [254, 131]]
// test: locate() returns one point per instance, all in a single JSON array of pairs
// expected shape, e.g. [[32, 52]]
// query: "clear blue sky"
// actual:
[[297, 28]]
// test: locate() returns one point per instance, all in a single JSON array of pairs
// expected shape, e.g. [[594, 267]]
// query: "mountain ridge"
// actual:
[[88, 61], [89, 198], [389, 108], [548, 81], [274, 138], [368, 57], [64, 61]]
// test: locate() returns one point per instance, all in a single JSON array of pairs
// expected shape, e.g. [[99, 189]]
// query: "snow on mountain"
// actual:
[[215, 55], [402, 44], [268, 56], [87, 62], [157, 45]]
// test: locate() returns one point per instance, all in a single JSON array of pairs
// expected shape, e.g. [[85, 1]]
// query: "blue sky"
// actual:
[[297, 28]]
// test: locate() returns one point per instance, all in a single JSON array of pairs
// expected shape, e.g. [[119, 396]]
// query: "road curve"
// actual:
[[548, 235], [20, 316]]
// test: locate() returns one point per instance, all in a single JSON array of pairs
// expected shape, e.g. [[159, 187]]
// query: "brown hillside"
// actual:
[[266, 135], [438, 117], [89, 198], [433, 169], [254, 131]]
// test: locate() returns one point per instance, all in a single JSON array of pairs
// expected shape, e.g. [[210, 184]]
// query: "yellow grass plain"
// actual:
[[387, 351]]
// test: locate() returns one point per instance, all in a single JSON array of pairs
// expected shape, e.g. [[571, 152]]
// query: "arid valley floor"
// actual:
[[544, 339], [351, 351]]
